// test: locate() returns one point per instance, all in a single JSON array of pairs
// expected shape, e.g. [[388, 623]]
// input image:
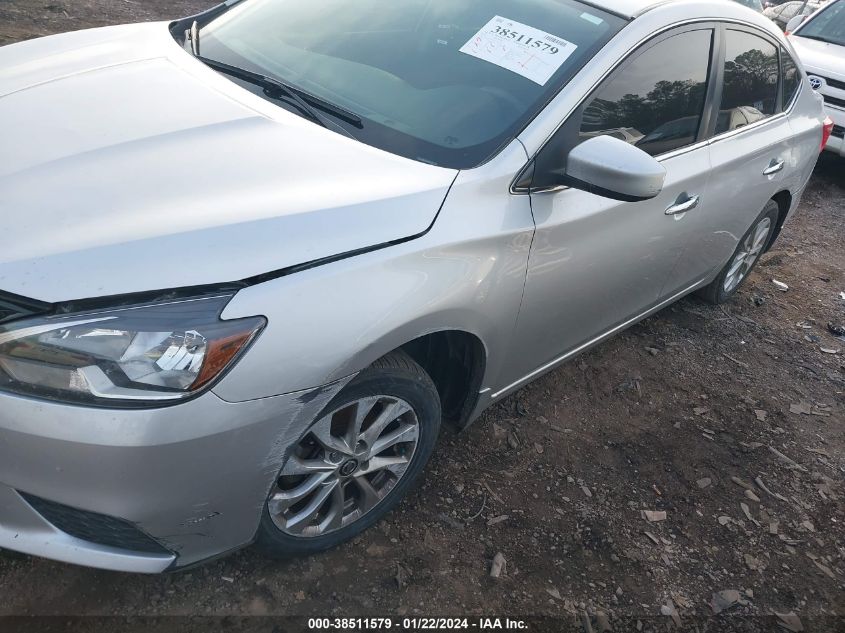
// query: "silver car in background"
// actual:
[[251, 259]]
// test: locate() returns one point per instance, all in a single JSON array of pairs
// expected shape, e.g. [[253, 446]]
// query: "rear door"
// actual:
[[751, 151]]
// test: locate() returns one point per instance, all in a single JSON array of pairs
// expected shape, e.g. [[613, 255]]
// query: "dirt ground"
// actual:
[[729, 420]]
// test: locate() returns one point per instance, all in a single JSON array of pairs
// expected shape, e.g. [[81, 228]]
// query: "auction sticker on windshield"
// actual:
[[530, 52]]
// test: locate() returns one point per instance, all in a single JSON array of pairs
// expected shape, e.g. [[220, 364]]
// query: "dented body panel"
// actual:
[[192, 477]]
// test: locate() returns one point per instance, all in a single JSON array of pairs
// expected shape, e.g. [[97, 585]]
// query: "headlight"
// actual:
[[144, 356]]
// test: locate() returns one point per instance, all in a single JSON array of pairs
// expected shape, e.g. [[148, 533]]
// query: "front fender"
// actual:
[[467, 273]]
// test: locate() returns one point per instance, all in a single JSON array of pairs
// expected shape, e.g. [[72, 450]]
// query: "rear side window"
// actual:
[[791, 78], [656, 101], [750, 91]]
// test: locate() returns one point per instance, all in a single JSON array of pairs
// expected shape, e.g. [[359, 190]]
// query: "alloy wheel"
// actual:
[[345, 466], [748, 254]]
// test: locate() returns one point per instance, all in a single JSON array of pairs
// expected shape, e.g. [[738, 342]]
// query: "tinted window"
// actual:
[[751, 81], [656, 101], [448, 82], [791, 78]]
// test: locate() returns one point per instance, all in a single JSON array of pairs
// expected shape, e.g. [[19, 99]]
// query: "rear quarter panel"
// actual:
[[806, 122]]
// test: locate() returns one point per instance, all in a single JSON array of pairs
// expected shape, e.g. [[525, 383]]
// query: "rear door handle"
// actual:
[[774, 167], [682, 207]]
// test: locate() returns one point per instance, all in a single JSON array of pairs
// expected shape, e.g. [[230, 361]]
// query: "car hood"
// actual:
[[820, 56], [127, 166]]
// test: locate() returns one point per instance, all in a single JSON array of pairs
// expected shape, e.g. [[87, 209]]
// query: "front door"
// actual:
[[596, 263]]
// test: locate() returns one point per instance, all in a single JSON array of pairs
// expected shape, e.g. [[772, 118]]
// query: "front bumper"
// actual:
[[193, 477], [24, 530]]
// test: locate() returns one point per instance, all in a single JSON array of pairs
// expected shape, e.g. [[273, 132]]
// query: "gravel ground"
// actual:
[[728, 420]]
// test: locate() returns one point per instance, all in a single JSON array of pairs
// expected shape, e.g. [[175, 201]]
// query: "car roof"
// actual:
[[677, 10]]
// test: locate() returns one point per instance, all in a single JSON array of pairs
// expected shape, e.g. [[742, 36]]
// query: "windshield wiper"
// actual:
[[305, 102]]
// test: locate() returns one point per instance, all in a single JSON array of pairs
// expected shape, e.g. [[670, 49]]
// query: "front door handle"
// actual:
[[774, 167], [682, 207]]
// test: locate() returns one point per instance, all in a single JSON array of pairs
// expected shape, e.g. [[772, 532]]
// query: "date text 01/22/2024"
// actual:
[[415, 624]]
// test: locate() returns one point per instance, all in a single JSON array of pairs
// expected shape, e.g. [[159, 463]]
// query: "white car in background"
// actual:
[[820, 44]]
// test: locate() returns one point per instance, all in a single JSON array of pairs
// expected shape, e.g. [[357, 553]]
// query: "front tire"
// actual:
[[746, 256], [356, 462]]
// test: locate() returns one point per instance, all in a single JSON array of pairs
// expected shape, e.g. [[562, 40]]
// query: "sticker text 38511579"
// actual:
[[522, 49]]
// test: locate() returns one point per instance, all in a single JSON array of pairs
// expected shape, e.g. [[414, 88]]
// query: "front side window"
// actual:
[[656, 101], [448, 82], [828, 26], [750, 91]]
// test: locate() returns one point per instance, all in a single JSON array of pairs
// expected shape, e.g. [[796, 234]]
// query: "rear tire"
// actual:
[[745, 258], [359, 474]]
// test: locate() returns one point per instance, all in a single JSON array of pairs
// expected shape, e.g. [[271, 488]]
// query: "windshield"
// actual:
[[827, 26], [447, 82]]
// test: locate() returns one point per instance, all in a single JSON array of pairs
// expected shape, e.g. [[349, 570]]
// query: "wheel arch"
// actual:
[[784, 202], [456, 361]]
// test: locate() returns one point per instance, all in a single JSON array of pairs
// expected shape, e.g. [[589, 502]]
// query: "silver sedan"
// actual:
[[251, 260]]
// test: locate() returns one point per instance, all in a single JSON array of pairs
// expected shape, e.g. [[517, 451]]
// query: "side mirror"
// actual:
[[794, 23], [612, 168]]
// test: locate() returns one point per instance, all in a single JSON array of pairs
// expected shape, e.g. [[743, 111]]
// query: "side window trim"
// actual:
[[787, 106], [784, 106], [779, 106], [710, 117]]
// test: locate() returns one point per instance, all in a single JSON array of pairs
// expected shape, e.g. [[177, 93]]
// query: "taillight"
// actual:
[[827, 130]]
